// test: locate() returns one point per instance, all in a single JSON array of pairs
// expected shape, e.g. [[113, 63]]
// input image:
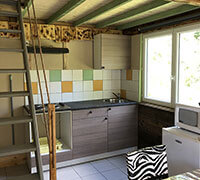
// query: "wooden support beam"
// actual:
[[100, 11], [132, 13], [162, 15], [64, 10], [191, 2], [28, 4]]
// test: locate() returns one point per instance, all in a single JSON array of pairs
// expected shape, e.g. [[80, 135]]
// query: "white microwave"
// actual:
[[188, 118]]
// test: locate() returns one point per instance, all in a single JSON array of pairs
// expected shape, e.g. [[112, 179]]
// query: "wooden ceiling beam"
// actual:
[[132, 13], [191, 2], [64, 10], [159, 16], [100, 11]]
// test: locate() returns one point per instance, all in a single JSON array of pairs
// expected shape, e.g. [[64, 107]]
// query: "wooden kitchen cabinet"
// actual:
[[112, 51], [89, 131], [122, 127]]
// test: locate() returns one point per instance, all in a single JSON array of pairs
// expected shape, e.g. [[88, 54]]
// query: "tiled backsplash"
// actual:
[[78, 85]]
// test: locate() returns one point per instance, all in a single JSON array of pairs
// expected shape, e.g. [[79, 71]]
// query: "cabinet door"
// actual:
[[89, 136], [182, 153], [122, 127]]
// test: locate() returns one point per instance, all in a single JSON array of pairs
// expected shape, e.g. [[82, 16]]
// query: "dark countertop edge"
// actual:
[[89, 107]]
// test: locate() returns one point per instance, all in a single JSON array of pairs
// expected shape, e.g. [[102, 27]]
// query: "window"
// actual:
[[158, 68], [188, 90], [171, 67]]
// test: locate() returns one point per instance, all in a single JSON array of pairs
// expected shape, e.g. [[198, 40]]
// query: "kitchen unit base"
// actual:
[[89, 158]]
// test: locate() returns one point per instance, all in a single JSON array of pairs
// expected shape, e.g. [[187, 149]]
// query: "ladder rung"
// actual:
[[12, 70], [14, 94], [11, 50], [17, 149], [8, 2], [10, 31], [25, 177], [15, 120], [9, 14]]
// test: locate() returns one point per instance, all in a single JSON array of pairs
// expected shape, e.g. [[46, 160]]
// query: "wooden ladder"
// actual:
[[29, 147]]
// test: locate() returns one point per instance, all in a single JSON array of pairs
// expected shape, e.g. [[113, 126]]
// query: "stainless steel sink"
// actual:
[[112, 100]]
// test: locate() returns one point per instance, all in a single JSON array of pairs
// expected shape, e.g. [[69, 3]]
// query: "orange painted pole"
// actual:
[[52, 141]]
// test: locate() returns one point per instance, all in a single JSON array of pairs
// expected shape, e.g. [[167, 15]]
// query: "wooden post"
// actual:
[[52, 141]]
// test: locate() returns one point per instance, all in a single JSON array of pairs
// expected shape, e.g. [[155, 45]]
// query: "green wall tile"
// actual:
[[55, 75], [87, 75]]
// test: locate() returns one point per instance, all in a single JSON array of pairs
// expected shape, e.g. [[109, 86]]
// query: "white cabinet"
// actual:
[[112, 51], [183, 150]]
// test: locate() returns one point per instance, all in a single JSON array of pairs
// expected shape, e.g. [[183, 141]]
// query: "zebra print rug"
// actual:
[[148, 163]]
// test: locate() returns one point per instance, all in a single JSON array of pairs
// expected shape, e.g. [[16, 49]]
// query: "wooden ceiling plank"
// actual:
[[131, 13], [64, 10], [162, 15], [192, 2], [100, 11]]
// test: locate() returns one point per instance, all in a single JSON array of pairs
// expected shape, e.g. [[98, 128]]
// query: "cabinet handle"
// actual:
[[102, 67], [106, 119], [178, 141], [109, 109], [90, 112]]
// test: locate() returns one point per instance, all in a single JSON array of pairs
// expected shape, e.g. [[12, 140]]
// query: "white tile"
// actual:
[[135, 75], [43, 85], [107, 94], [107, 85], [116, 74], [77, 86], [42, 75], [77, 75], [116, 84], [129, 85], [67, 97], [106, 74], [131, 95], [78, 96], [119, 161], [124, 84], [97, 176], [44, 99], [135, 86], [103, 165], [97, 94], [55, 98], [123, 75], [114, 174], [55, 87], [85, 169], [98, 74], [88, 95], [35, 99], [88, 85], [67, 173], [67, 75], [33, 74], [2, 174]]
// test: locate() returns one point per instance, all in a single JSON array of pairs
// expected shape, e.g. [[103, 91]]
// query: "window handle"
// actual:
[[172, 78]]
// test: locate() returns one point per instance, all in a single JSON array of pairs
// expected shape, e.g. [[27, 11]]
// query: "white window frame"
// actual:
[[175, 62], [145, 38]]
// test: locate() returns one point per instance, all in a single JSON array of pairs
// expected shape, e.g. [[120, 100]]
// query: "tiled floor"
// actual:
[[107, 169]]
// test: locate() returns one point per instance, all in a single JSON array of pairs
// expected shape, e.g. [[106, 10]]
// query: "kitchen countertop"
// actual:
[[79, 105]]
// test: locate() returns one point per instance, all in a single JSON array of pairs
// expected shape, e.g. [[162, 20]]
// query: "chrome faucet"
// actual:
[[118, 96]]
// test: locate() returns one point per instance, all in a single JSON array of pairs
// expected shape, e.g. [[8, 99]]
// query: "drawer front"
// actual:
[[130, 109], [90, 113]]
